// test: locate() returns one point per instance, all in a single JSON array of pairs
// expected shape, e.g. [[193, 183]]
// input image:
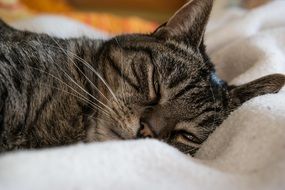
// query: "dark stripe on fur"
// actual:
[[122, 75]]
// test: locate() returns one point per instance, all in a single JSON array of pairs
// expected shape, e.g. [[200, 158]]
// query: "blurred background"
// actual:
[[158, 10], [113, 16]]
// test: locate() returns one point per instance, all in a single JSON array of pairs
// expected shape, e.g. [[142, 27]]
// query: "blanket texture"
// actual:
[[246, 152]]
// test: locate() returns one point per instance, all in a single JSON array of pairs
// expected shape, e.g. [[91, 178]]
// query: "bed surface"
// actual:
[[246, 152]]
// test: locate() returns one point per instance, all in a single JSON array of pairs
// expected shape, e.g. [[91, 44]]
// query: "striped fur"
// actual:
[[162, 85]]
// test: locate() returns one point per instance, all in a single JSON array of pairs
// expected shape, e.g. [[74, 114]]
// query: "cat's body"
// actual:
[[163, 85], [33, 86]]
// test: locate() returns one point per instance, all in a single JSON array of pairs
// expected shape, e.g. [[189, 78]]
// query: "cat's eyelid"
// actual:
[[157, 89], [189, 136], [186, 126], [152, 103], [154, 87], [184, 131]]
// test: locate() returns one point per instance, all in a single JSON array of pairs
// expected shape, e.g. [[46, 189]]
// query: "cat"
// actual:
[[161, 85]]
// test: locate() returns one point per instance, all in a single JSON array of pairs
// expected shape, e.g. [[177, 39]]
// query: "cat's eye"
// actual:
[[189, 137], [155, 99], [156, 88], [155, 83]]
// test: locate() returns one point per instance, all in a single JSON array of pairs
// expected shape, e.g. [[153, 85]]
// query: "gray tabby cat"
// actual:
[[162, 85]]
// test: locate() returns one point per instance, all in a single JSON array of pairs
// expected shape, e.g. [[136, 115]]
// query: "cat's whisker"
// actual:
[[81, 60], [82, 97], [89, 67], [86, 64], [100, 77], [72, 80], [86, 77], [93, 105]]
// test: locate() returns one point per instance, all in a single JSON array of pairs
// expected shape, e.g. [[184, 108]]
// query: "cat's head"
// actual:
[[165, 86]]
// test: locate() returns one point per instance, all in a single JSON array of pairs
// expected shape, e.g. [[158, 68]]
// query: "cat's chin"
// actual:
[[98, 133]]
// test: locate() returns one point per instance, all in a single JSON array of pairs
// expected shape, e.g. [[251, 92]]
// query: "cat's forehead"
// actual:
[[149, 44], [168, 57]]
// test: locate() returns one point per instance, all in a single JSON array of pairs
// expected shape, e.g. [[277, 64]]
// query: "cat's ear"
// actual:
[[188, 23], [265, 85]]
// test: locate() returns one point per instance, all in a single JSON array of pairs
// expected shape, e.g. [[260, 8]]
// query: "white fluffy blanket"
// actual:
[[246, 152]]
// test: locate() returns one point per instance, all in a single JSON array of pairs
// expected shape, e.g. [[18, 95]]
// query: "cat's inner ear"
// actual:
[[265, 85], [188, 23]]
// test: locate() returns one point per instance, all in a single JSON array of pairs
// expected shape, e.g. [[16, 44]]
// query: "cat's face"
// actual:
[[165, 86], [165, 90]]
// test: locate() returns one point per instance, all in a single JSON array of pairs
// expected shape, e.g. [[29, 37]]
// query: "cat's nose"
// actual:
[[153, 124], [145, 130]]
